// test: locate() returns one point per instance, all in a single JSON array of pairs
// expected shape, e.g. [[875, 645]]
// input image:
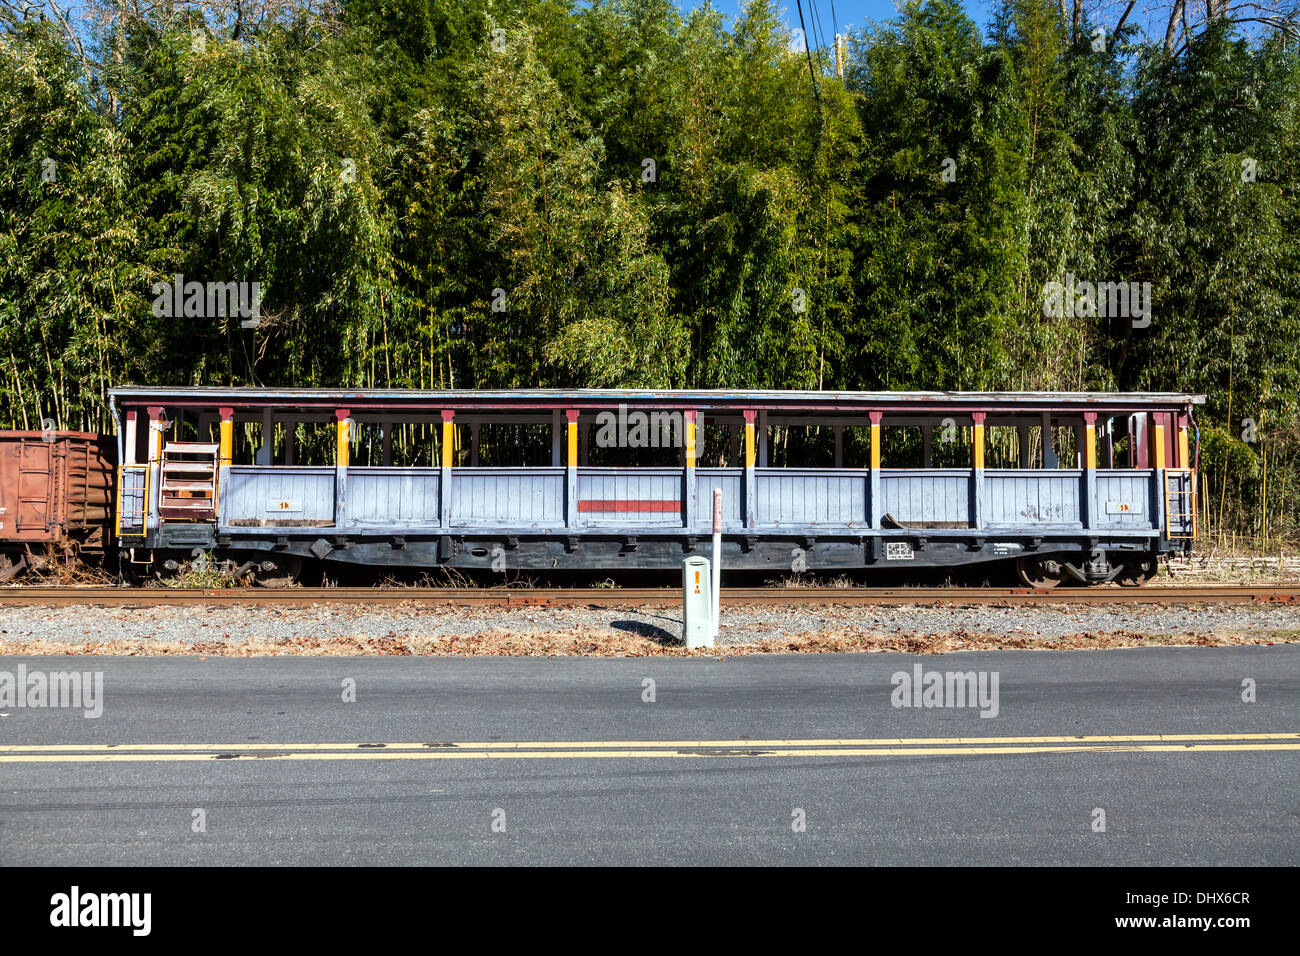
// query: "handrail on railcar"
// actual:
[[1189, 494]]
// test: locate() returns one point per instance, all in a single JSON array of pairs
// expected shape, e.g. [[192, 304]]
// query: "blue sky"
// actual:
[[850, 12]]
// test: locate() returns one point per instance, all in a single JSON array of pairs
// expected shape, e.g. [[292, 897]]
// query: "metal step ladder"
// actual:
[[189, 482], [1180, 524]]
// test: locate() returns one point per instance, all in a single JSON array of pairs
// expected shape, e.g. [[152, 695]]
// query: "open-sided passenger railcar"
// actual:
[[403, 483]]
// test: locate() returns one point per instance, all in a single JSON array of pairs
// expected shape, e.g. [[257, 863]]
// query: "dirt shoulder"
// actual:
[[402, 630]]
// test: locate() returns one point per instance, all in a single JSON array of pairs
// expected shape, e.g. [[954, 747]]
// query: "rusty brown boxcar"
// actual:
[[56, 494]]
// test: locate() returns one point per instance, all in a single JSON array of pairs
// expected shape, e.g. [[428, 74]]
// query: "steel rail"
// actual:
[[19, 596]]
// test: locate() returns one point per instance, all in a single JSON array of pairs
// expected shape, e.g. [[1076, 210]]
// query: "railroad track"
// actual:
[[626, 597]]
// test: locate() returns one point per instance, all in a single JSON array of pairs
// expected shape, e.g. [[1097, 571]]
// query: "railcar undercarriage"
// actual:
[[1038, 562]]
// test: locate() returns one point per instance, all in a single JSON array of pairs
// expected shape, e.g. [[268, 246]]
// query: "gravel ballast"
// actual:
[[423, 629]]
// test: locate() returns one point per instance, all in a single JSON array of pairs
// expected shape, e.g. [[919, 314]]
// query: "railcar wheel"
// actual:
[[283, 573], [1137, 573], [1039, 572]]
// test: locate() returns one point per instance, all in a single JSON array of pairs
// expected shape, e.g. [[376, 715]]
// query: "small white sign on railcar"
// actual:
[[899, 551]]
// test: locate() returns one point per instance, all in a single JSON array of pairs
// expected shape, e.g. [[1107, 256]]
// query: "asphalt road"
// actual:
[[566, 761]]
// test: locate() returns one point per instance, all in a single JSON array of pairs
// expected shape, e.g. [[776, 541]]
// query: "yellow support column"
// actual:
[[226, 439], [876, 499], [1158, 437], [343, 445], [448, 439], [1089, 469], [692, 487], [571, 471], [1184, 451], [225, 453], [342, 453], [977, 448], [751, 459], [448, 458]]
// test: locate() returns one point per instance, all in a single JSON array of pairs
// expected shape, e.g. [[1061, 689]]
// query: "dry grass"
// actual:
[[1226, 567], [798, 581], [53, 569], [451, 579]]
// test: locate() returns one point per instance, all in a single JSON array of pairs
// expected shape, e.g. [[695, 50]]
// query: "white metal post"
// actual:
[[717, 559], [697, 605]]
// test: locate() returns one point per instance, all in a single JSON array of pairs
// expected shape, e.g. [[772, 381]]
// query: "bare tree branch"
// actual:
[[1127, 10], [1172, 30]]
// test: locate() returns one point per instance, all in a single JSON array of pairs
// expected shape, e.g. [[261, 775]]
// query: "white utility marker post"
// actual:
[[697, 607], [717, 559]]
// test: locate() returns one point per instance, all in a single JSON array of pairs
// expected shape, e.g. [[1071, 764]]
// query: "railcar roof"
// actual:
[[603, 398]]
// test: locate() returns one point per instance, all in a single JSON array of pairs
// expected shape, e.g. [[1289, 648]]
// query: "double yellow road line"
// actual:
[[658, 749]]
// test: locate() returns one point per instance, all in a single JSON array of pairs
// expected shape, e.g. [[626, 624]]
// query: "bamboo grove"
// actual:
[[464, 193]]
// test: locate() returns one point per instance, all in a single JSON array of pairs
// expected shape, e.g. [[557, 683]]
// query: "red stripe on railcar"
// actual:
[[630, 507]]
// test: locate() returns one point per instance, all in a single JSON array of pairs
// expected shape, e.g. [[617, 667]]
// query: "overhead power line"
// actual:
[[808, 49], [815, 16]]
